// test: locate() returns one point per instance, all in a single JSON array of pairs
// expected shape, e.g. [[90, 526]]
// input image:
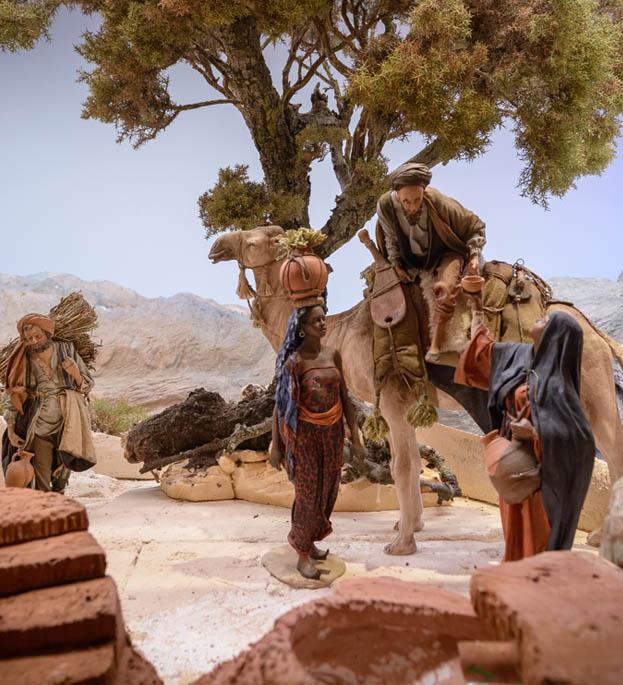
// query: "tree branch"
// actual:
[[340, 167], [205, 103], [206, 71], [329, 52]]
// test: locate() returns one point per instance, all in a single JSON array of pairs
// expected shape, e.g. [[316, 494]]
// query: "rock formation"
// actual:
[[599, 298], [61, 618], [559, 609], [545, 619]]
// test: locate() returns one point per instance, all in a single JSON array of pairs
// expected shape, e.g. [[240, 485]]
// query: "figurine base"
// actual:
[[281, 562]]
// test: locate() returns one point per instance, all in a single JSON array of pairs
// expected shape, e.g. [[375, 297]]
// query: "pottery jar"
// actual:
[[19, 472], [303, 274]]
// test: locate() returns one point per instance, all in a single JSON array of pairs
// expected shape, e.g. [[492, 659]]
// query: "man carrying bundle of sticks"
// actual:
[[46, 383]]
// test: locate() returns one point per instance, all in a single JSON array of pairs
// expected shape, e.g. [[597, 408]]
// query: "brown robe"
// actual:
[[455, 228]]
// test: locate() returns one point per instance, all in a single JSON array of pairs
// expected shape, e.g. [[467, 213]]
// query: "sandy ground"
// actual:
[[189, 576]]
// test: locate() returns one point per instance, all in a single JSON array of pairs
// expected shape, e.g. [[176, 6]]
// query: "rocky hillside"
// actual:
[[154, 350], [599, 298]]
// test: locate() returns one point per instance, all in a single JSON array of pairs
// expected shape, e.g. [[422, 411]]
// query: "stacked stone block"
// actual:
[[60, 617]]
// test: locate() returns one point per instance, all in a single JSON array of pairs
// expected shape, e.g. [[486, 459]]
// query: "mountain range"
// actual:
[[154, 351]]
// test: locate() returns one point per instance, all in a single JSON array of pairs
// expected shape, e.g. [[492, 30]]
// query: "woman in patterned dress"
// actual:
[[308, 430]]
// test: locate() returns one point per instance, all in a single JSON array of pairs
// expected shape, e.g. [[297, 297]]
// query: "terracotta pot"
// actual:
[[512, 467], [472, 284], [303, 274], [20, 472]]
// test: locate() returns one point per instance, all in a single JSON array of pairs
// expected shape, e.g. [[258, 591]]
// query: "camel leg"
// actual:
[[598, 395], [406, 465]]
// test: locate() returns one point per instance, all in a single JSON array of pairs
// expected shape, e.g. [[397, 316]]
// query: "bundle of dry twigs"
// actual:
[[75, 319]]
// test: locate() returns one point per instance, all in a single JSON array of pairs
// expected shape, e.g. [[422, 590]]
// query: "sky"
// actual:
[[72, 200]]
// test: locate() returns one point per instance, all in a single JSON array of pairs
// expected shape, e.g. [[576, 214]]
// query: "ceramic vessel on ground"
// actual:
[[20, 472]]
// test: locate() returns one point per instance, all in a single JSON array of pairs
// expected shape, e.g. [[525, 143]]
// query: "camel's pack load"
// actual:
[[513, 297], [74, 320], [303, 275]]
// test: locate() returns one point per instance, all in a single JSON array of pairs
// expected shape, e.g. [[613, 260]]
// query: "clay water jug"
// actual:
[[494, 445], [512, 466], [303, 274], [20, 472]]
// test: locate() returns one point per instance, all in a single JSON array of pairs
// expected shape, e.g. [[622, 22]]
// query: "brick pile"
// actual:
[[60, 617]]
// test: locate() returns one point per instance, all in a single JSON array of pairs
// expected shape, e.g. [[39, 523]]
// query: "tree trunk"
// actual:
[[273, 125]]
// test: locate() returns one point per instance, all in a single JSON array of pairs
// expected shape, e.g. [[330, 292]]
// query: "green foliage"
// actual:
[[370, 180], [570, 100], [234, 202], [285, 208], [314, 141], [300, 239], [429, 78], [116, 417], [552, 69], [368, 275], [450, 70], [24, 22], [237, 203]]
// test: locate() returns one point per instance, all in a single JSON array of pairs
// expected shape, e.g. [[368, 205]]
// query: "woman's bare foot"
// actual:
[[306, 568], [317, 553]]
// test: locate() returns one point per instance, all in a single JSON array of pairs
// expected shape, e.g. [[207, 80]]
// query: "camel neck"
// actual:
[[267, 282], [271, 307]]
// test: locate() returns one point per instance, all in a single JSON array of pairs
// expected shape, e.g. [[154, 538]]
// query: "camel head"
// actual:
[[251, 249]]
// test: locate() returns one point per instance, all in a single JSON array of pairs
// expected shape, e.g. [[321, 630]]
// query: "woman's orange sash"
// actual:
[[324, 418]]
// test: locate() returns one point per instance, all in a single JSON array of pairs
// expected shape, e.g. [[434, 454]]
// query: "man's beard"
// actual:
[[42, 348], [412, 219]]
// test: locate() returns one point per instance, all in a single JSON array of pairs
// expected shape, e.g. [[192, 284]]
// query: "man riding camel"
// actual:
[[420, 229]]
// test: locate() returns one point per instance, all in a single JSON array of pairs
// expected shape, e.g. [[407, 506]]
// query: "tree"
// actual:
[[451, 70]]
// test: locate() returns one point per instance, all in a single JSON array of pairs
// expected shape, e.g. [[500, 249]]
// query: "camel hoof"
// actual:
[[432, 357], [400, 548], [594, 538]]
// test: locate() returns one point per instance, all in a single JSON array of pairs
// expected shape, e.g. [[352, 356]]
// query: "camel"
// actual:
[[351, 333]]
